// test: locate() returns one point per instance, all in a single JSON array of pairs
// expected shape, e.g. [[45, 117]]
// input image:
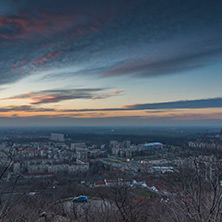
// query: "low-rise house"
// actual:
[[139, 181], [100, 184], [111, 182]]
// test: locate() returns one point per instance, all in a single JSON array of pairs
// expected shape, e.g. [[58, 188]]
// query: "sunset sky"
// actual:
[[98, 62]]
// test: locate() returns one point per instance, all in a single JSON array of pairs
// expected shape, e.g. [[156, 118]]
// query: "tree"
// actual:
[[200, 192]]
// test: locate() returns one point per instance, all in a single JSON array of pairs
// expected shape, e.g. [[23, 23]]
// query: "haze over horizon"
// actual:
[[100, 63]]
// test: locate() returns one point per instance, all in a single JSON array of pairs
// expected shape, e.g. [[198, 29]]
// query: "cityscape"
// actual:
[[37, 164]]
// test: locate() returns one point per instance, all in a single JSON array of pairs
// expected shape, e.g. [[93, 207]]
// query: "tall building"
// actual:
[[113, 143], [126, 144], [82, 154], [74, 146]]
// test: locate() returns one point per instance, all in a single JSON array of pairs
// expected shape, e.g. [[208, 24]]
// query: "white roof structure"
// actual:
[[153, 144]]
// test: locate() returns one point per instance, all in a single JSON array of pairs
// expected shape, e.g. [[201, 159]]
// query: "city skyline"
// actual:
[[95, 63]]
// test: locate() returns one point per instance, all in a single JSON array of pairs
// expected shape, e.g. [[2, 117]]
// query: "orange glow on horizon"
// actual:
[[176, 114]]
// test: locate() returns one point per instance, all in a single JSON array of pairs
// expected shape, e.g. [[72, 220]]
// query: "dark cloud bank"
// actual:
[[41, 35], [184, 104]]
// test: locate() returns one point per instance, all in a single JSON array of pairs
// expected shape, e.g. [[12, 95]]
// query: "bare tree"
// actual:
[[200, 192]]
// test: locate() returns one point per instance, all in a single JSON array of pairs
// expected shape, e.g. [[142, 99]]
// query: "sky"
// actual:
[[100, 62]]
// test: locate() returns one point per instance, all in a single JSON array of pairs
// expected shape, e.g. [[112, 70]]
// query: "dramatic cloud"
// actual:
[[107, 38], [169, 65], [183, 104], [48, 96], [25, 108], [54, 96], [102, 45]]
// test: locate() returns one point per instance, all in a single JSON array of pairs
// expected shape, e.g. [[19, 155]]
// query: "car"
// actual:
[[80, 199]]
